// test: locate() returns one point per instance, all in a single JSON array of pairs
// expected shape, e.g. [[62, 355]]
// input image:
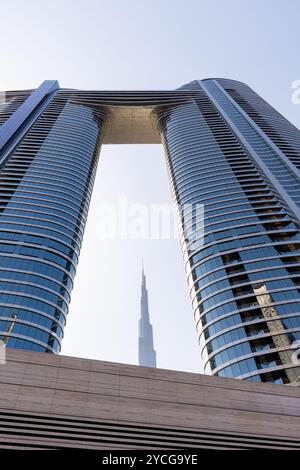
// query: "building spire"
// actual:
[[143, 274], [147, 354]]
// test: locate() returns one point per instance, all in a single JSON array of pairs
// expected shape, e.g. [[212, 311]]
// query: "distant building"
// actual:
[[147, 354]]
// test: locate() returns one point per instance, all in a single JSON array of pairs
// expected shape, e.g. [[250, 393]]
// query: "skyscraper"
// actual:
[[226, 148], [147, 354]]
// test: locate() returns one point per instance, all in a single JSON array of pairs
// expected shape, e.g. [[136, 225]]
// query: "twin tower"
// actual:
[[226, 149]]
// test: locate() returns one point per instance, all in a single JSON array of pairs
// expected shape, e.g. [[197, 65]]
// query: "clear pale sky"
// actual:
[[132, 45]]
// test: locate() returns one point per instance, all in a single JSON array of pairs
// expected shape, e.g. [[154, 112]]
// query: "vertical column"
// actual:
[[236, 271], [46, 186]]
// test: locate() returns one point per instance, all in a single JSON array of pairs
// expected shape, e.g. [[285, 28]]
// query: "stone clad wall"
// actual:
[[50, 401]]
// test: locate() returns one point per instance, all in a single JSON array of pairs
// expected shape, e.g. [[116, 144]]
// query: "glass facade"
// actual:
[[226, 149], [243, 273], [45, 188]]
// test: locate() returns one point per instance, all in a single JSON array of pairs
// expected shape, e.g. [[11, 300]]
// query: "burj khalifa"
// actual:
[[147, 354]]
